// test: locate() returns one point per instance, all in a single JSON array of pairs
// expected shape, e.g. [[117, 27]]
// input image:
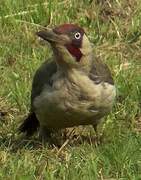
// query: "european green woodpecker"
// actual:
[[73, 88]]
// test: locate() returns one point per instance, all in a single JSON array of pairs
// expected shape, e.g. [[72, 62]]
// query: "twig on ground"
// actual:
[[30, 23], [66, 142]]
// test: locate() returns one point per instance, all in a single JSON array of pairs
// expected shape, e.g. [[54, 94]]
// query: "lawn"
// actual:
[[114, 28]]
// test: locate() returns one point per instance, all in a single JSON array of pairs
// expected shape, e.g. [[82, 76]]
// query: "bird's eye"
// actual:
[[77, 35]]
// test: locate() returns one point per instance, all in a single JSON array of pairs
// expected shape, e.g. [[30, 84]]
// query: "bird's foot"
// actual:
[[49, 137], [98, 136]]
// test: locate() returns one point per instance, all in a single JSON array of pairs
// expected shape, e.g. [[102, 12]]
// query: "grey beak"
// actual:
[[50, 36]]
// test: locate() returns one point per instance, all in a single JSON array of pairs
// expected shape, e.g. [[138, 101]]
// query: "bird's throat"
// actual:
[[75, 52]]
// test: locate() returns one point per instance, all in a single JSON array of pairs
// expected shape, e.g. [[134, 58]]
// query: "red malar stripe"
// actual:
[[74, 52]]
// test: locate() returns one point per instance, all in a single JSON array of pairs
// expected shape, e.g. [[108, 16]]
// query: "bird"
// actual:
[[72, 88]]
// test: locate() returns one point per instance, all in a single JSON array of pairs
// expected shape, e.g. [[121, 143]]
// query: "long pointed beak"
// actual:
[[50, 36]]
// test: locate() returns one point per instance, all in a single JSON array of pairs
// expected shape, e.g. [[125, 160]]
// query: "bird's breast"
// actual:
[[76, 97]]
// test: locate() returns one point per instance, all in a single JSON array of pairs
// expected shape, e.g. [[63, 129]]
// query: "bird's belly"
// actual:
[[61, 108], [63, 113]]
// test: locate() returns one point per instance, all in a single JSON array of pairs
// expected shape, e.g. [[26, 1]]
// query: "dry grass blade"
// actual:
[[66, 142], [18, 14]]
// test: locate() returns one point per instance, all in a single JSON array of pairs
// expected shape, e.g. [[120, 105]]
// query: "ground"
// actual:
[[114, 29]]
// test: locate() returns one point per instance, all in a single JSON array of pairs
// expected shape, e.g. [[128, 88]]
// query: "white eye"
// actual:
[[77, 35]]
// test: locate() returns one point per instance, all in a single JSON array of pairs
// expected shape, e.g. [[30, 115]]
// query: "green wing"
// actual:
[[100, 72], [42, 76]]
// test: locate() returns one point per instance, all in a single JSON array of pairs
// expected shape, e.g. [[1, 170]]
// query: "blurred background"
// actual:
[[114, 28]]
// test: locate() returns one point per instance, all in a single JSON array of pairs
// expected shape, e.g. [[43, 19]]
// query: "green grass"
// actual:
[[114, 29]]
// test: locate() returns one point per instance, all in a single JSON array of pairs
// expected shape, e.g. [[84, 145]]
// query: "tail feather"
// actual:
[[30, 125]]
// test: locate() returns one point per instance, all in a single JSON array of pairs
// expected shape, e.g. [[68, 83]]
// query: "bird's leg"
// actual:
[[97, 134], [45, 134], [49, 136]]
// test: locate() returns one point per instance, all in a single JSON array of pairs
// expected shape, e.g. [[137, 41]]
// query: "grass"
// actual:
[[114, 29]]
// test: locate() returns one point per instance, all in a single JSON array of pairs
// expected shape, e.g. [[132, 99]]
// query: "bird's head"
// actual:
[[70, 44]]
